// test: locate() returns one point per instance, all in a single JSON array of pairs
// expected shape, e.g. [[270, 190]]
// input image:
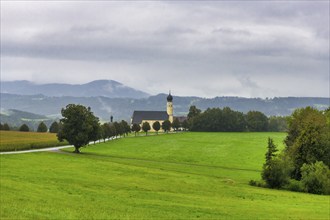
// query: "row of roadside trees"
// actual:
[[166, 126]]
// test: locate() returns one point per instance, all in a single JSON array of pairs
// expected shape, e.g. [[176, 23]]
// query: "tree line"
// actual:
[[226, 119], [304, 163], [42, 127]]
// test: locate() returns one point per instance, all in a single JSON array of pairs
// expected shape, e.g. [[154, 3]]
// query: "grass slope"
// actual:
[[179, 176], [15, 140]]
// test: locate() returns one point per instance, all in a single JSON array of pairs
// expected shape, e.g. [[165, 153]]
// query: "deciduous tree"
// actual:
[[78, 124], [54, 127], [256, 121], [166, 125], [136, 128], [24, 128], [156, 126], [42, 127], [176, 124], [6, 127], [308, 138], [146, 127]]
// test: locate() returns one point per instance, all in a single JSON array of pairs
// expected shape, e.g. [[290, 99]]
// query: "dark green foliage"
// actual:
[[126, 129], [166, 125], [105, 131], [146, 127], [276, 173], [278, 123], [176, 124], [316, 178], [275, 170], [185, 125], [308, 139], [42, 127], [118, 129], [256, 121], [54, 127], [217, 119], [193, 112], [270, 154], [24, 128], [96, 132], [294, 185], [6, 127], [78, 125], [136, 128], [1, 127], [156, 126]]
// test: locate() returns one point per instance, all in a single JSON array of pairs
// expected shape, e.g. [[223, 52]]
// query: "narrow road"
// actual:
[[36, 150], [47, 149]]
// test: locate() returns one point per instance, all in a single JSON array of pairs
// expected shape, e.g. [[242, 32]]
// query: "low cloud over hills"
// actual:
[[107, 88]]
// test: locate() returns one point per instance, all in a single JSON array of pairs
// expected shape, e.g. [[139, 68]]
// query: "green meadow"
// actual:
[[173, 176]]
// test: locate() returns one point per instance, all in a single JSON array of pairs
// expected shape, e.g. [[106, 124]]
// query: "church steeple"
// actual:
[[170, 107], [169, 97]]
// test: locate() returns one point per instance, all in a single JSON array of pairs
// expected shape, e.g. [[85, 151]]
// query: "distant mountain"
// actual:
[[107, 88], [15, 118], [122, 108]]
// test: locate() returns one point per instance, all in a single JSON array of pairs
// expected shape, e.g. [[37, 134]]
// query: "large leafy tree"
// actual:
[[256, 121], [78, 125], [42, 127], [146, 127], [193, 112], [308, 138], [156, 126]]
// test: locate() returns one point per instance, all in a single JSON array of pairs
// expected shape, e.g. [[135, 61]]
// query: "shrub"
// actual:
[[276, 174], [316, 178], [253, 183], [294, 185]]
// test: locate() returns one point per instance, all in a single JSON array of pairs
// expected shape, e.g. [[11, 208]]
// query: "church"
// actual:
[[139, 117]]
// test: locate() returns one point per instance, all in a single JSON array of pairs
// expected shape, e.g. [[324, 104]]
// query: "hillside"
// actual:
[[174, 176], [16, 118], [107, 88], [122, 108]]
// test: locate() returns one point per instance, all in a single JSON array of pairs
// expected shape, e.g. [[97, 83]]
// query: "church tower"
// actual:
[[170, 107]]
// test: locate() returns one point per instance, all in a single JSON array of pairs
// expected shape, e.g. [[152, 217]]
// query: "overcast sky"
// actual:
[[207, 49]]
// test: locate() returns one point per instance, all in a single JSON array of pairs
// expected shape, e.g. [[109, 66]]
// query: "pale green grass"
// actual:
[[177, 176]]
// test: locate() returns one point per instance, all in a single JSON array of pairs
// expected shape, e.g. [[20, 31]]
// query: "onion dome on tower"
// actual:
[[169, 97]]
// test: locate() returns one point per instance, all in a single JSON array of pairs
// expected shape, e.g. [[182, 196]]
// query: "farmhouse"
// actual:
[[139, 117]]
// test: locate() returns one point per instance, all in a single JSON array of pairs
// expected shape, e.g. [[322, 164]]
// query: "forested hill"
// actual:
[[122, 108]]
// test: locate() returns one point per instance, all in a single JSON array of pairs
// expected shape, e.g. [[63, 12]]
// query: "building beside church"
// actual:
[[139, 117]]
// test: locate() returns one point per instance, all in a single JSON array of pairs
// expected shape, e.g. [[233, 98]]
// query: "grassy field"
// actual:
[[175, 176], [15, 140]]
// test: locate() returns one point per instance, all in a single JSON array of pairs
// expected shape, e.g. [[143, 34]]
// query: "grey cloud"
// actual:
[[207, 48]]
